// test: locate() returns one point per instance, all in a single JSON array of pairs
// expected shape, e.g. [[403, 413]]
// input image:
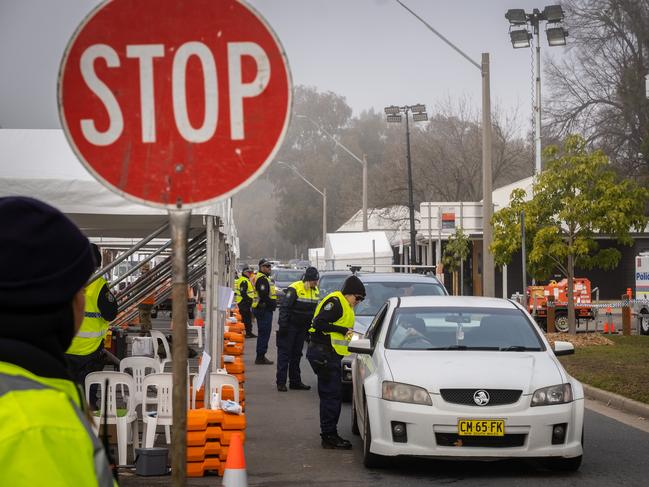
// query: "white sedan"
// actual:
[[464, 377]]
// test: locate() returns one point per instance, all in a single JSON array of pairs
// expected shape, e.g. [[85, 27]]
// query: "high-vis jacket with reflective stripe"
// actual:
[[94, 327], [45, 439], [298, 308], [237, 289], [272, 293], [338, 341]]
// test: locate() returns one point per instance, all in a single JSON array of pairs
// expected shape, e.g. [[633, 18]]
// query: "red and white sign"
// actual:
[[174, 102]]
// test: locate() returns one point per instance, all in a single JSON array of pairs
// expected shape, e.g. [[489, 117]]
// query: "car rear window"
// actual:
[[288, 275], [329, 284], [378, 293], [462, 329]]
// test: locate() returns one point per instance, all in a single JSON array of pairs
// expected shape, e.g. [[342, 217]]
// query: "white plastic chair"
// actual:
[[139, 367], [158, 335], [219, 380], [123, 381], [199, 334], [163, 413]]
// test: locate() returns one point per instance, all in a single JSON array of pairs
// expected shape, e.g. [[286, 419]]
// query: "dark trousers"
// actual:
[[82, 365], [264, 325], [246, 316], [290, 340], [325, 362]]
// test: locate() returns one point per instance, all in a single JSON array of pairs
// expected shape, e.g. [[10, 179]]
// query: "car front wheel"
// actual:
[[370, 460]]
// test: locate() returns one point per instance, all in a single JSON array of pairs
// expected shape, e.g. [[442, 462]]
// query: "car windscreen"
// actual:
[[377, 293], [288, 275], [329, 284], [462, 329]]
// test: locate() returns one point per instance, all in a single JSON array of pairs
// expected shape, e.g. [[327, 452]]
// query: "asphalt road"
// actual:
[[283, 449]]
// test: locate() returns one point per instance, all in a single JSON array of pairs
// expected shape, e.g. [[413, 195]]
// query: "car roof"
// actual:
[[396, 277], [455, 302]]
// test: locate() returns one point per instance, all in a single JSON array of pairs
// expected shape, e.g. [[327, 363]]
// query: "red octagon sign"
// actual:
[[174, 103]]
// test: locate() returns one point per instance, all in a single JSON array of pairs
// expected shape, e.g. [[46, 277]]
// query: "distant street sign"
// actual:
[[174, 103]]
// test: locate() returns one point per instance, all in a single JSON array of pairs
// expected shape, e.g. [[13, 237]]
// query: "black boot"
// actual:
[[300, 386], [250, 334], [332, 441], [262, 360]]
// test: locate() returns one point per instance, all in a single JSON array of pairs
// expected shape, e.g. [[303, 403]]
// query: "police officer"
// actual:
[[244, 295], [330, 333], [295, 316], [85, 354], [264, 306], [45, 262]]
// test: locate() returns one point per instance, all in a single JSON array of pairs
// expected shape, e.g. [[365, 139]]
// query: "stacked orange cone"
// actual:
[[199, 319], [235, 466], [609, 326]]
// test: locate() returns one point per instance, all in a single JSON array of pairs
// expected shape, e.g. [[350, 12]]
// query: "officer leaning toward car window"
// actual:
[[244, 293], [264, 305], [330, 335], [45, 436], [295, 316]]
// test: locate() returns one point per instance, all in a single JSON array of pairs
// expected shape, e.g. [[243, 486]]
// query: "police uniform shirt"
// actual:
[[299, 314], [263, 291], [330, 312]]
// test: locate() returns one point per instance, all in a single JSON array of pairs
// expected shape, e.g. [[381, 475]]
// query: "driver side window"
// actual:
[[375, 327]]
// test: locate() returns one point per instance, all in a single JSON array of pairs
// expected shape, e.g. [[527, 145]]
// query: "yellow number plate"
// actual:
[[481, 427]]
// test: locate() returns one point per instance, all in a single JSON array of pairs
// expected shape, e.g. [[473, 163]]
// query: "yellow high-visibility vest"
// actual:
[[41, 424], [94, 327], [237, 289], [338, 341]]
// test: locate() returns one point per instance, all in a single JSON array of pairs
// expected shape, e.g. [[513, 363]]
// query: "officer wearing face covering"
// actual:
[[45, 262]]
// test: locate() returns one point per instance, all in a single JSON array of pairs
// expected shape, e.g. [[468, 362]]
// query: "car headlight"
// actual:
[[546, 396], [398, 392]]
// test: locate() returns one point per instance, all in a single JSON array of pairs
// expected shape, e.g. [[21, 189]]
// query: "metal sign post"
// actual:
[[179, 220]]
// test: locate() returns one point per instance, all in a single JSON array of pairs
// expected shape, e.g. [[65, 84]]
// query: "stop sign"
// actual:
[[174, 102]]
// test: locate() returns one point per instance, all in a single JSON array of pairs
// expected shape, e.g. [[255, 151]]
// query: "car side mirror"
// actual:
[[362, 345], [563, 348]]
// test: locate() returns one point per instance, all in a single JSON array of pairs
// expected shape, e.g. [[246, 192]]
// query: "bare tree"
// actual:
[[599, 89]]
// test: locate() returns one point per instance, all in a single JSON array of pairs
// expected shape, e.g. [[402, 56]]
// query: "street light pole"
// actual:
[[488, 273], [364, 193], [419, 114], [362, 162], [411, 203], [520, 38]]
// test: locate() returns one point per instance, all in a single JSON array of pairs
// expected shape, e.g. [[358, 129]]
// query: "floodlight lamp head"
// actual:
[[556, 36], [419, 117], [516, 16], [418, 108], [392, 110], [520, 38], [553, 13], [393, 118]]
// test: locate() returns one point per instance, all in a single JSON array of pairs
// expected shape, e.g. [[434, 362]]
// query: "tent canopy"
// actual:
[[41, 164], [358, 248]]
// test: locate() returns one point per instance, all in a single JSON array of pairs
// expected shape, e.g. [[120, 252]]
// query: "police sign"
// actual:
[[174, 102]]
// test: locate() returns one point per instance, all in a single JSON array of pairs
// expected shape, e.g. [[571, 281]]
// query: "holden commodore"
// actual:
[[464, 377]]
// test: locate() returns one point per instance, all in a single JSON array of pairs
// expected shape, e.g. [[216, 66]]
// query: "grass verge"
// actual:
[[622, 368]]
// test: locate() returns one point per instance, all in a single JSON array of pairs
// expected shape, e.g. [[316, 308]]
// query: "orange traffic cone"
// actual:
[[608, 323], [235, 465]]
